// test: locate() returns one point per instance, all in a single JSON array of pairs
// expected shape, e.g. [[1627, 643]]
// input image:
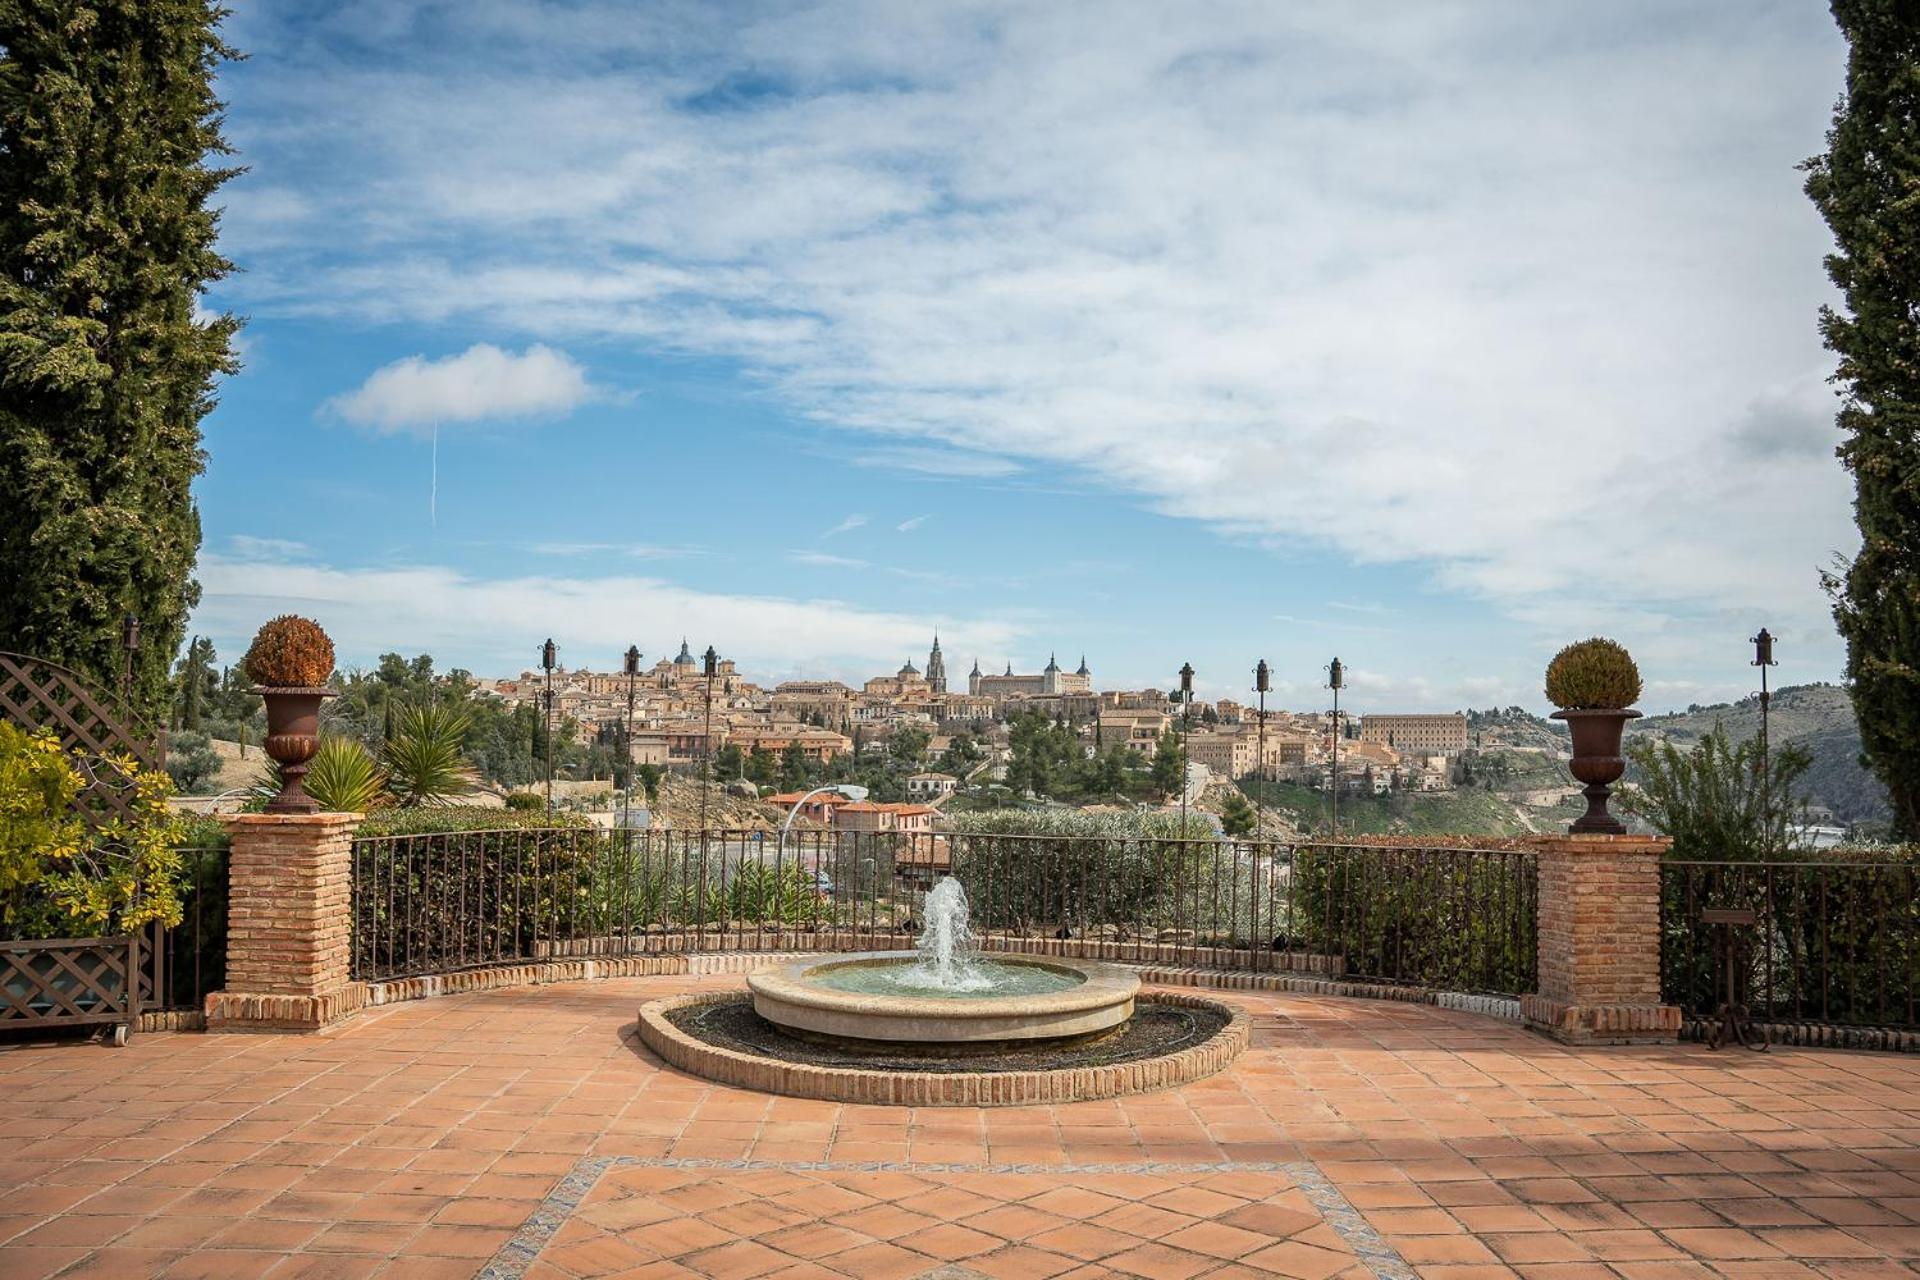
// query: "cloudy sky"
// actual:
[[1430, 335]]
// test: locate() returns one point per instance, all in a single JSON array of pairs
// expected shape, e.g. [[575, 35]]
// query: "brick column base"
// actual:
[[1599, 952], [289, 923]]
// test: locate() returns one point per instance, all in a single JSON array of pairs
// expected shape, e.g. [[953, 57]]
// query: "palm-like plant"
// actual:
[[343, 777], [424, 760]]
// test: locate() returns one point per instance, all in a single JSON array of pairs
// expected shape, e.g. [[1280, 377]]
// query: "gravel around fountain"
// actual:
[[1157, 1028]]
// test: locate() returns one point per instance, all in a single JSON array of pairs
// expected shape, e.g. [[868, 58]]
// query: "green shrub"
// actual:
[[1593, 675], [525, 801], [61, 878], [1717, 801], [289, 652], [466, 817]]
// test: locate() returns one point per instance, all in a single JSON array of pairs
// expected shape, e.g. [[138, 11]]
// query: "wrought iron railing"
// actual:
[[1461, 919], [180, 965], [1833, 942]]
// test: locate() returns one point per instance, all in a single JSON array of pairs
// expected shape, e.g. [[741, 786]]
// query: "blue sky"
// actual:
[[1429, 335]]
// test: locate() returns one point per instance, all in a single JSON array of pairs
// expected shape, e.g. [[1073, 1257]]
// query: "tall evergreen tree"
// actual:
[[108, 124], [1867, 185]]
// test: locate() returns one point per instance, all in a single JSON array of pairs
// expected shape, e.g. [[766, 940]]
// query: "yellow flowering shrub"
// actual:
[[58, 877]]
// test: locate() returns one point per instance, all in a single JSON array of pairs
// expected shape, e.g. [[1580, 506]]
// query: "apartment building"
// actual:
[[1417, 734]]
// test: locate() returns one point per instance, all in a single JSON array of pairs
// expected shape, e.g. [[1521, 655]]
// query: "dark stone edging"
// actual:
[[955, 1089], [1814, 1035]]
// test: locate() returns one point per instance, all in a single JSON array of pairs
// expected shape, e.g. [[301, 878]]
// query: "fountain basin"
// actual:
[[1087, 998]]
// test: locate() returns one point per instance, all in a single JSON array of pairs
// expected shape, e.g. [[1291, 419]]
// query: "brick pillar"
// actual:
[[289, 908], [1599, 974]]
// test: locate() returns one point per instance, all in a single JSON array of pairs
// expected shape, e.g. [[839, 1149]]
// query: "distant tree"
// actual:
[[191, 760], [1169, 770], [648, 776], [195, 681], [1237, 816], [729, 762], [909, 743], [1867, 186], [962, 754], [108, 121], [762, 768], [794, 767]]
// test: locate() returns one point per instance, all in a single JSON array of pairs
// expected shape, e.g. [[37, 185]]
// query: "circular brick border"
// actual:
[[946, 1089]]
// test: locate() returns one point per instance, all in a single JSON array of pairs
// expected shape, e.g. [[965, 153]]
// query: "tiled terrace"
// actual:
[[523, 1132]]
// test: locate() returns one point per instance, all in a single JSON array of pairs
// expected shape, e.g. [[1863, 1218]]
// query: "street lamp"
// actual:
[[632, 669], [129, 642], [1336, 681], [1186, 724], [1262, 681], [549, 652], [712, 665], [1763, 658]]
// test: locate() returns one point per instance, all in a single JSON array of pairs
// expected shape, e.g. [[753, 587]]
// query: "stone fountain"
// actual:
[[944, 994], [943, 1025]]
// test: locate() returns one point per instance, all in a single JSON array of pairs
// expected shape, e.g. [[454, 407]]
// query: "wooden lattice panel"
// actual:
[[67, 980], [37, 694]]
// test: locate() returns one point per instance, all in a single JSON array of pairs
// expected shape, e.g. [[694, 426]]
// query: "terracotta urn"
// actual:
[[1597, 761], [293, 735]]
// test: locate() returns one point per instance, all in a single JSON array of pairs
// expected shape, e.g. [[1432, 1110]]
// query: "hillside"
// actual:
[[1816, 717], [1292, 810]]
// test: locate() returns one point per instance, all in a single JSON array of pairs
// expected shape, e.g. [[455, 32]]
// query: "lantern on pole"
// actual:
[[1763, 658]]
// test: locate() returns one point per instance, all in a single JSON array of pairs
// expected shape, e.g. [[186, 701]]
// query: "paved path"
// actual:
[[523, 1133]]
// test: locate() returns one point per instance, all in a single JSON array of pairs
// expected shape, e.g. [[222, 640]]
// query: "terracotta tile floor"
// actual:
[[524, 1133]]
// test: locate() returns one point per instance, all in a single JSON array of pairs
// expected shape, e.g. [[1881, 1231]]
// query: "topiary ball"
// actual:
[[289, 652], [1593, 675]]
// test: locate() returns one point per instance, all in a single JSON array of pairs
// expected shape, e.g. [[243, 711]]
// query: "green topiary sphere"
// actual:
[[290, 652], [1593, 675]]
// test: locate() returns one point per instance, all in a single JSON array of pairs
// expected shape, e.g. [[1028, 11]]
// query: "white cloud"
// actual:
[[824, 560], [483, 382], [1522, 294], [491, 625], [936, 462], [909, 525], [243, 546], [848, 525]]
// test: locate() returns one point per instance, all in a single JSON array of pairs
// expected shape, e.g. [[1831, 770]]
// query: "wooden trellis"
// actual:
[[37, 694], [69, 981]]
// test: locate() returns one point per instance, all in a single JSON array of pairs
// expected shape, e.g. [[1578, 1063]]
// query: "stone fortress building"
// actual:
[[1051, 682]]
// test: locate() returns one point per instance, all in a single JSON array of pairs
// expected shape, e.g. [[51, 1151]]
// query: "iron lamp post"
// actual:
[[632, 669], [1763, 658], [129, 643], [1262, 682], [1186, 724], [1336, 681], [711, 665], [549, 653]]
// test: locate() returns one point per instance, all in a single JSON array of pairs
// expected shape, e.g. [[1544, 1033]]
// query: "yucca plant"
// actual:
[[342, 777], [345, 778], [424, 759]]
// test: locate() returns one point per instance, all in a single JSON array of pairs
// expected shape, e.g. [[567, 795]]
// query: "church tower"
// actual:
[[973, 678], [936, 668], [1050, 678]]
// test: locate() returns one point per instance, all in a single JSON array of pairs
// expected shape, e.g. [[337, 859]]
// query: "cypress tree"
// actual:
[[1867, 186], [109, 139]]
